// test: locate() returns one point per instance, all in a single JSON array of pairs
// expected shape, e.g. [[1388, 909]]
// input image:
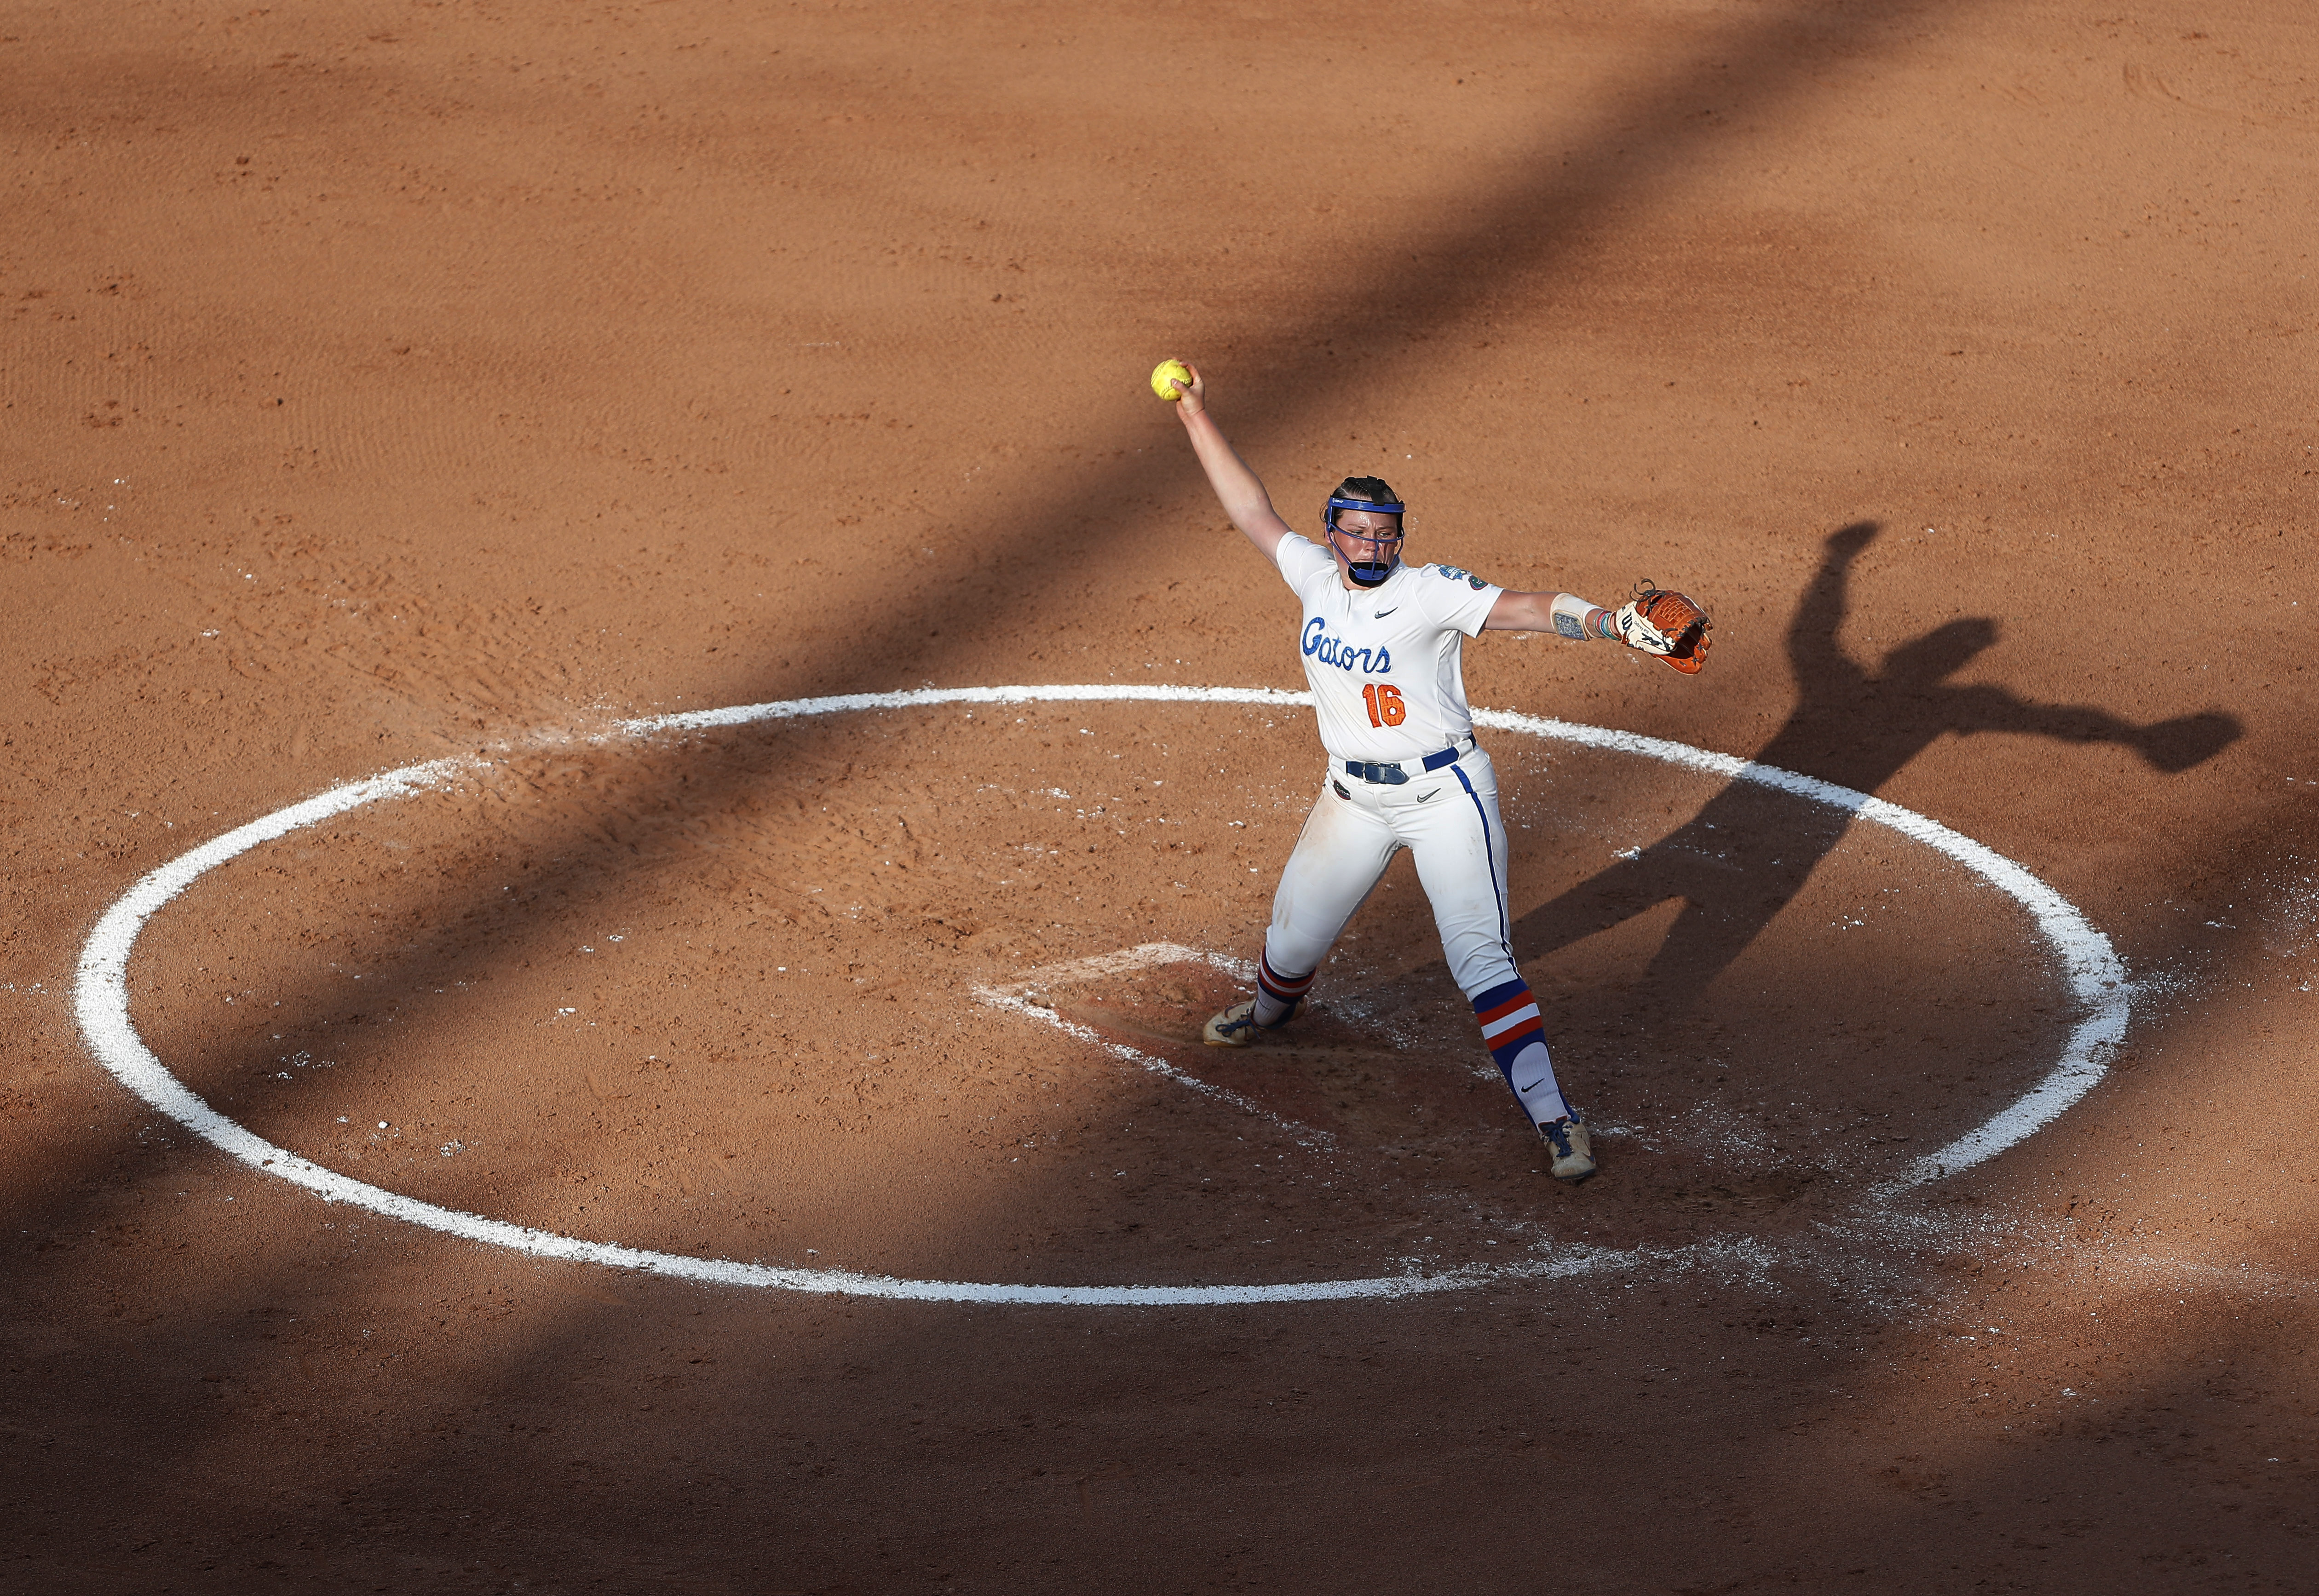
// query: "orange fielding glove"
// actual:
[[1669, 626]]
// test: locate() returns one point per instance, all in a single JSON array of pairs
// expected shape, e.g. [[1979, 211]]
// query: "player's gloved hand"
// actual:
[[1635, 631], [1670, 626]]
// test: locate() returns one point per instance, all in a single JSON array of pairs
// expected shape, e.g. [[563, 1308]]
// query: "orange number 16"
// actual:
[[1384, 700]]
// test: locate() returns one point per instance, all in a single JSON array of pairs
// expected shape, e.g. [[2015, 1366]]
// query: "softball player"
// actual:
[[1383, 646]]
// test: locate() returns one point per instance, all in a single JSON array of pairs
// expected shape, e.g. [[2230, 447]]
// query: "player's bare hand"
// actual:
[[1191, 399]]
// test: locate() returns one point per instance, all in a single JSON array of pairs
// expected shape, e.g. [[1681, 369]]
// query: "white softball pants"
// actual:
[[1449, 821]]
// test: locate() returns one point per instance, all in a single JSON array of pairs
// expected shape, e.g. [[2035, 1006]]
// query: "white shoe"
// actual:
[[1571, 1148], [1236, 1027]]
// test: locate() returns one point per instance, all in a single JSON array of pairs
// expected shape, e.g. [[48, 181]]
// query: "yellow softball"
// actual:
[[1165, 370]]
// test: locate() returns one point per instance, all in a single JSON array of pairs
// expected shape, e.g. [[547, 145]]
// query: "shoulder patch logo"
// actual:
[[1459, 573]]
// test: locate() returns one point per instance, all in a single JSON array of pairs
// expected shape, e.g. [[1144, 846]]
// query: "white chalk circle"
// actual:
[[2095, 979]]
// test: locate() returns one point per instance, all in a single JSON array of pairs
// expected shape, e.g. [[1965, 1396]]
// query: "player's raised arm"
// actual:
[[1237, 488], [1666, 624]]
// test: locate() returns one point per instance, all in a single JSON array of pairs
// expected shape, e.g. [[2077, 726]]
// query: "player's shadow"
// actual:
[[1749, 850]]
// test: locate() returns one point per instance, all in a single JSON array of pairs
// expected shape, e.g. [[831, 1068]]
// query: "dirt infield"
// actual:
[[397, 383]]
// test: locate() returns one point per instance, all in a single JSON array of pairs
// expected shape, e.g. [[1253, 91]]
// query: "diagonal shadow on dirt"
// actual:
[[1398, 296], [488, 1484]]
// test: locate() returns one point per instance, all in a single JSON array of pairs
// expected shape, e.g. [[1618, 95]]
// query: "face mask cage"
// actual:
[[1384, 553]]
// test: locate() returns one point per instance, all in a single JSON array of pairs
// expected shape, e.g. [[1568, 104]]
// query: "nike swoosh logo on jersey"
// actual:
[[1381, 614]]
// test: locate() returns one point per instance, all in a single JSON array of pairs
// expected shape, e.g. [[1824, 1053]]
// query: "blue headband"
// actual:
[[1383, 509]]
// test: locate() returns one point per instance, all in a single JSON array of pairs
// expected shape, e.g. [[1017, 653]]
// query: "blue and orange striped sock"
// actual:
[[1276, 994], [1516, 1038]]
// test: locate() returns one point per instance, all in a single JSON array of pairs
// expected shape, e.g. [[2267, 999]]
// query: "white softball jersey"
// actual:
[[1386, 663]]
